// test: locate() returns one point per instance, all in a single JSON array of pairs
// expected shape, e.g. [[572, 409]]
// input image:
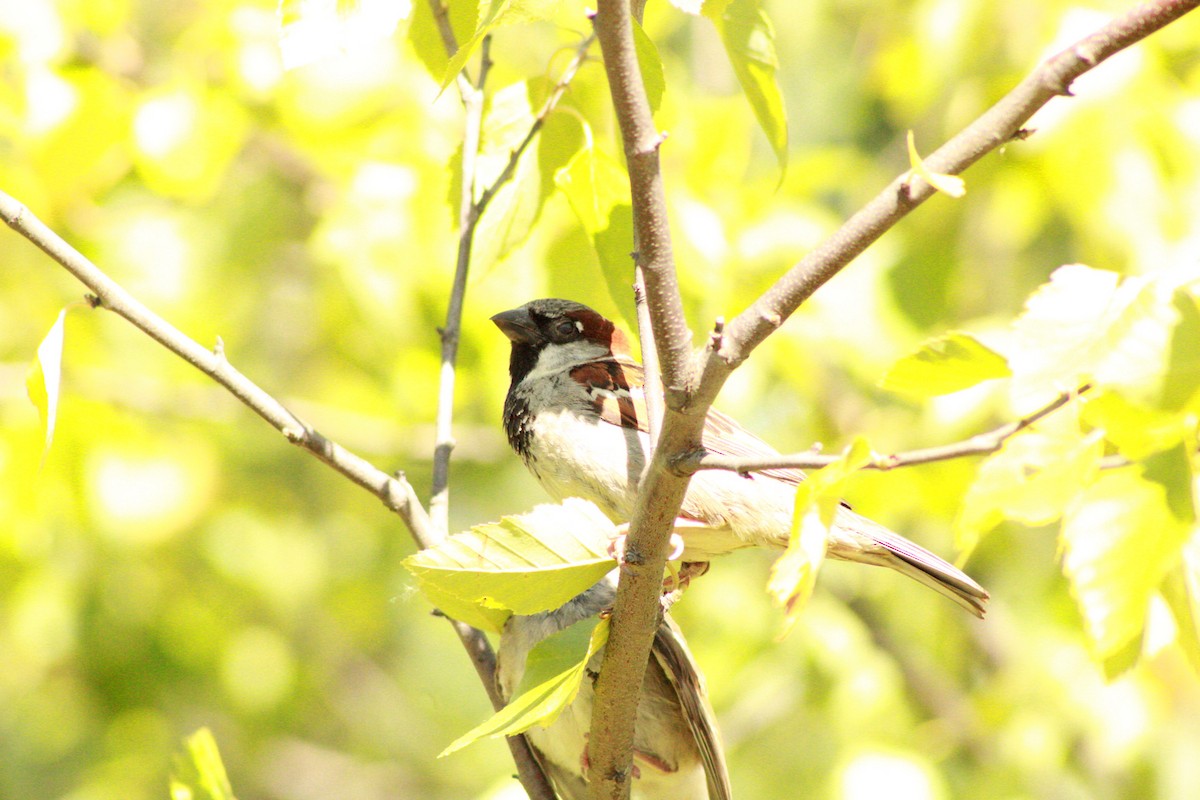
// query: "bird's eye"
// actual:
[[565, 328]]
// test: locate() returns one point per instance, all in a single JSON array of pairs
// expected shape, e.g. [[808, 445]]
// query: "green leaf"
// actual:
[[1172, 470], [472, 612], [749, 39], [525, 563], [952, 185], [426, 39], [1180, 385], [313, 29], [650, 66], [1120, 540], [199, 773], [1032, 479], [794, 574], [43, 381], [1133, 429], [1088, 325], [554, 671], [1181, 589], [512, 213], [946, 364], [491, 14], [597, 188]]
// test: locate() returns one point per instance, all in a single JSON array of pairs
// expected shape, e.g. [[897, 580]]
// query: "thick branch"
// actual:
[[635, 610], [980, 444]]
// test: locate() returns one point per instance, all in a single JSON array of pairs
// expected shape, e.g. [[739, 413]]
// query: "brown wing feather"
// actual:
[[679, 667], [616, 390]]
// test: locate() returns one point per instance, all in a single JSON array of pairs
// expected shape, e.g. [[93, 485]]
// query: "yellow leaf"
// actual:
[[952, 185]]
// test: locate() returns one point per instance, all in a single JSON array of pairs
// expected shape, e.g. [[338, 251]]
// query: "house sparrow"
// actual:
[[677, 749], [576, 414]]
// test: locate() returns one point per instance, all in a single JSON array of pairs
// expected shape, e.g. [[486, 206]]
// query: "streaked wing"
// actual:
[[615, 386], [672, 654]]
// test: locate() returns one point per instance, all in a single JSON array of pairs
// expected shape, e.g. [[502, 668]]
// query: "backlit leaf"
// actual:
[[548, 686], [794, 574], [597, 188], [199, 773], [749, 39], [1032, 479], [1120, 540], [943, 365], [43, 381], [952, 185], [525, 563]]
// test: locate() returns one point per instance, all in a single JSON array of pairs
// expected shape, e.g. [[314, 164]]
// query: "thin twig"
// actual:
[[538, 122], [529, 771], [978, 445]]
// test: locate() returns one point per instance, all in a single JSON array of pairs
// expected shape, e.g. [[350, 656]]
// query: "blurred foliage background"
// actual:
[[175, 564]]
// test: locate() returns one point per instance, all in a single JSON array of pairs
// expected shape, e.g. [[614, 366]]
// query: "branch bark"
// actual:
[[635, 610], [978, 445]]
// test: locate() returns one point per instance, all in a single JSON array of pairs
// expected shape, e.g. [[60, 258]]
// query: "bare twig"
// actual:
[[529, 771], [472, 100], [978, 445]]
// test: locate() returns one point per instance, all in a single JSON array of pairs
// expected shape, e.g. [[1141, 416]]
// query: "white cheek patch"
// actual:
[[557, 358]]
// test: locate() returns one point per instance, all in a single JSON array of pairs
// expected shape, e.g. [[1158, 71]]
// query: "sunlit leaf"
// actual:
[[199, 773], [491, 14], [1182, 380], [1120, 540], [526, 563], [475, 613], [651, 66], [947, 364], [749, 39], [1181, 589], [1089, 325], [952, 185], [514, 209], [1133, 429], [43, 381], [794, 574], [426, 38], [597, 188], [554, 671], [313, 29], [1172, 470], [1032, 479]]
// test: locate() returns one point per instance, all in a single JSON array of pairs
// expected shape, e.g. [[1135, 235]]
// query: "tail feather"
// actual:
[[856, 538]]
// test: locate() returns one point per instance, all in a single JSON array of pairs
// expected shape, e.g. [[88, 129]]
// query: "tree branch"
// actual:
[[978, 445], [996, 127], [395, 492], [688, 398], [635, 609]]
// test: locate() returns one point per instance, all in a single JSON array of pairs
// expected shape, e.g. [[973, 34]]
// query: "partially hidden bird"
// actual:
[[677, 750], [576, 415]]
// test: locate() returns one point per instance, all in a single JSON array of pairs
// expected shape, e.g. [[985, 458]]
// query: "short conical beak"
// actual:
[[517, 325]]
